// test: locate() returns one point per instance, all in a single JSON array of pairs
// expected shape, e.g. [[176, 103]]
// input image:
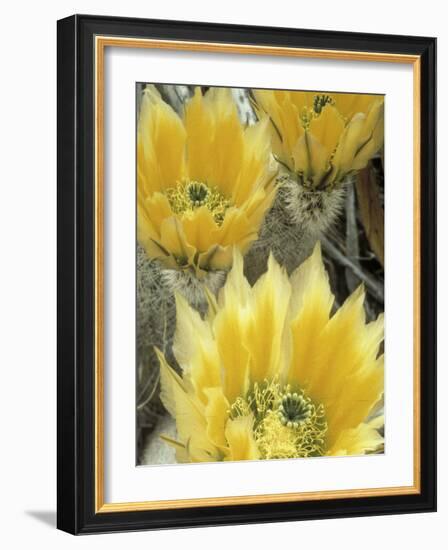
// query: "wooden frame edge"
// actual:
[[100, 43], [254, 499]]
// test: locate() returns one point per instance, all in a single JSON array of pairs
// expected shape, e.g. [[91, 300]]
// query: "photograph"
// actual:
[[246, 271], [220, 265], [259, 274]]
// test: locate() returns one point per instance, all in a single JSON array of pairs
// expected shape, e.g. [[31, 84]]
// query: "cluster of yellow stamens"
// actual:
[[188, 196], [287, 424]]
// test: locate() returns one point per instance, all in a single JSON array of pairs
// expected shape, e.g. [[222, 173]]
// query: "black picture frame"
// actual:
[[76, 254]]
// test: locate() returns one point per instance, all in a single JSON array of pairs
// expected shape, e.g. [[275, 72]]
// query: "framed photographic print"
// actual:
[[246, 274]]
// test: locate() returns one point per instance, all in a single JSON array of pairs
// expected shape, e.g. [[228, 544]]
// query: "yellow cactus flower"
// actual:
[[204, 181], [270, 373], [323, 138]]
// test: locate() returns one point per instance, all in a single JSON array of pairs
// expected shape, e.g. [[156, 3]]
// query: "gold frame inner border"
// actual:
[[101, 43]]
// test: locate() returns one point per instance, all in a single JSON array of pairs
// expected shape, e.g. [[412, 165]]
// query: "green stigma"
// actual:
[[287, 424], [187, 197], [320, 101], [197, 193], [293, 409], [307, 114]]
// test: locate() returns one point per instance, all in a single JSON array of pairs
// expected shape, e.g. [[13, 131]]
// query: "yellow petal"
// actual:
[[340, 348], [310, 308], [350, 104], [255, 169], [236, 229], [230, 326], [356, 441], [161, 142], [195, 349], [311, 158], [240, 437], [327, 127], [216, 414], [289, 123], [228, 140], [373, 139], [237, 289], [151, 212], [362, 138], [267, 104], [190, 416], [200, 229], [215, 139], [346, 377], [200, 128], [146, 231], [334, 360], [302, 99], [351, 141], [285, 125], [260, 202], [156, 207], [172, 238], [269, 306], [216, 258], [357, 398], [155, 250]]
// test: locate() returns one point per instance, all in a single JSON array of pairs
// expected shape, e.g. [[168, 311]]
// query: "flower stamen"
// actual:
[[188, 196], [288, 424]]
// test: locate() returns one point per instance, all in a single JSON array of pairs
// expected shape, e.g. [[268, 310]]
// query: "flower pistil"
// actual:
[[287, 424], [188, 196]]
